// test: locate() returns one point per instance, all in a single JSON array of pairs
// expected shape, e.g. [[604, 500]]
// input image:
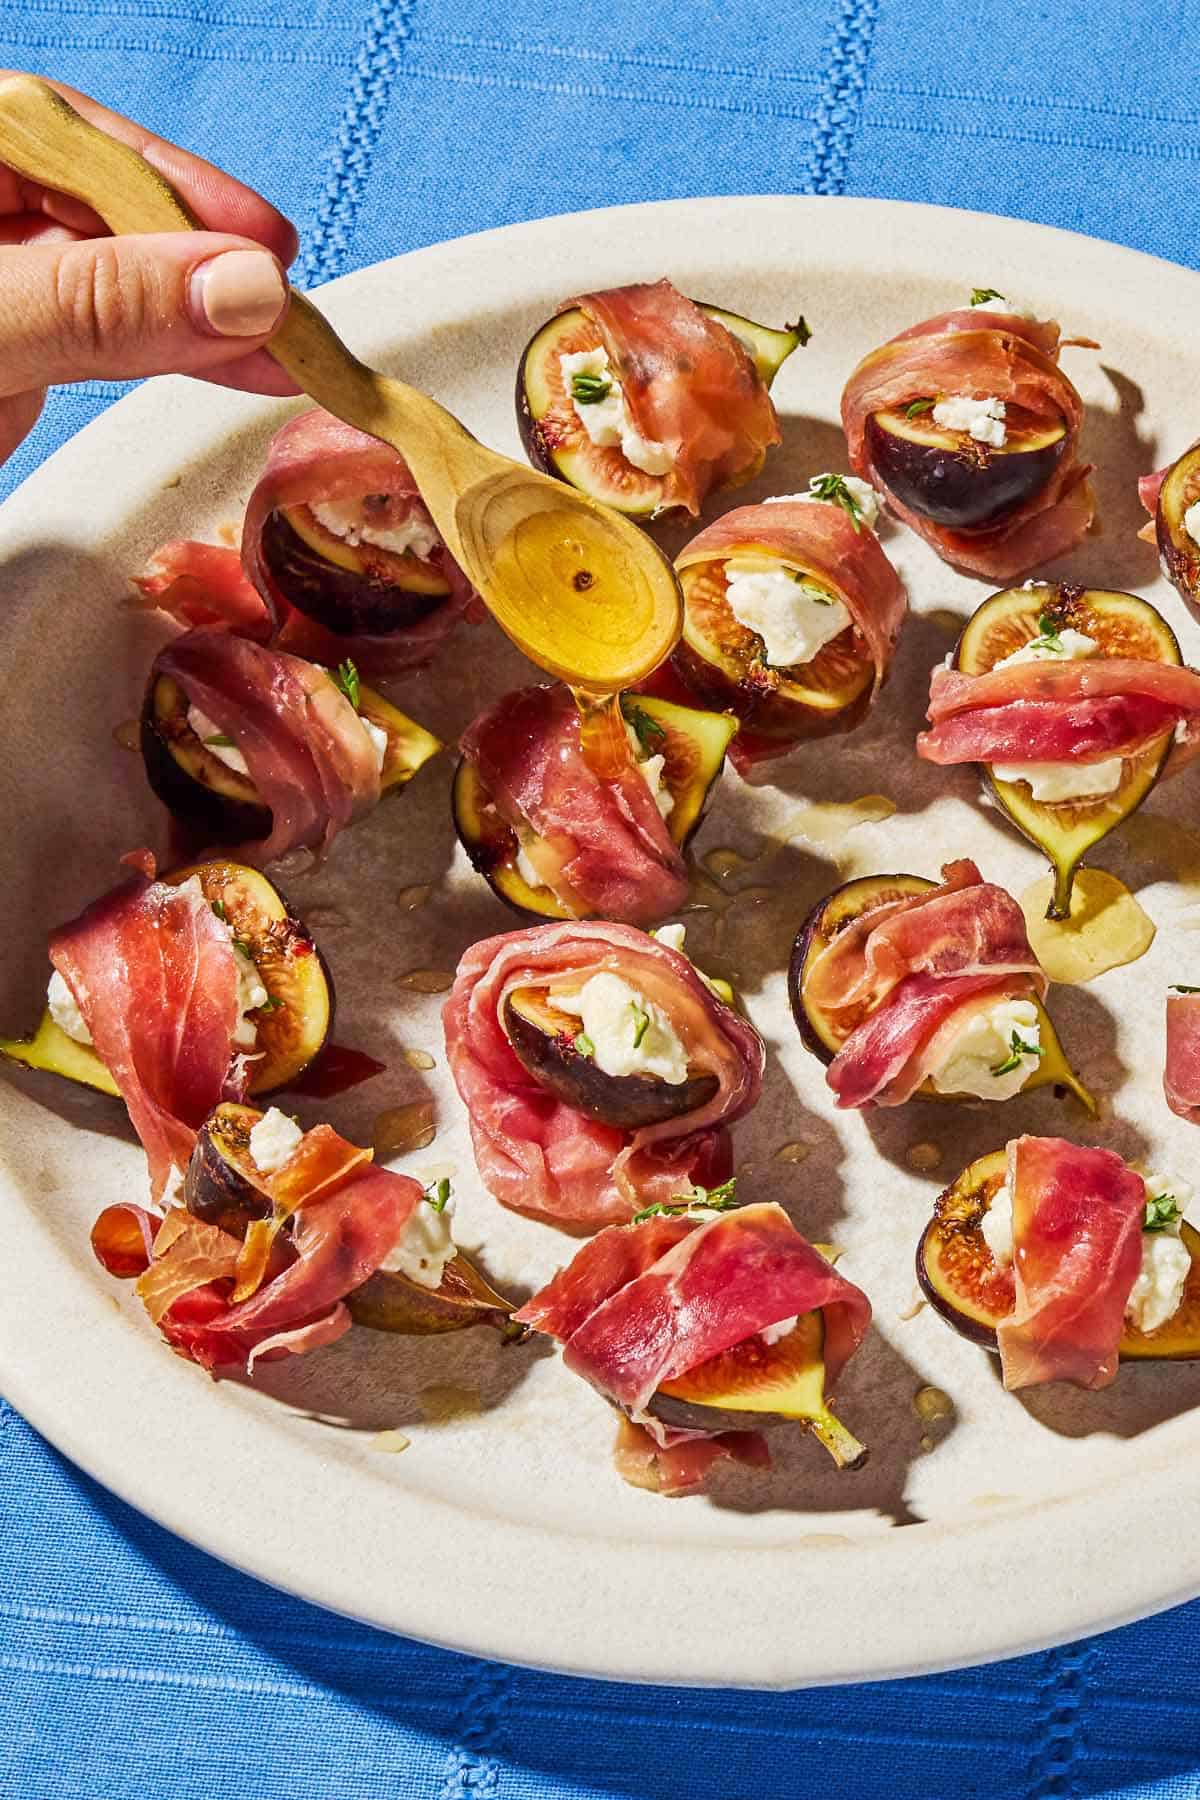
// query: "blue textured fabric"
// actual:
[[132, 1665]]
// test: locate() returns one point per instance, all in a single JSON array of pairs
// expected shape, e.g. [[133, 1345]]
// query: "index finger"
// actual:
[[220, 201]]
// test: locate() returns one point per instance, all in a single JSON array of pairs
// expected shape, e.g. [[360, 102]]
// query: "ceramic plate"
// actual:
[[502, 1529]]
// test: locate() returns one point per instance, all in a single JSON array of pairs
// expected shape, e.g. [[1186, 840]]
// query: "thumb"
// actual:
[[121, 307]]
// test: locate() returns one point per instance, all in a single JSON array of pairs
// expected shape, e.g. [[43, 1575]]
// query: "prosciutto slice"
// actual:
[[203, 584], [820, 539], [980, 354], [1063, 711], [1077, 1225], [655, 1306], [304, 744], [598, 839], [538, 1155], [1181, 1076], [899, 977], [154, 975], [343, 1215], [688, 384]]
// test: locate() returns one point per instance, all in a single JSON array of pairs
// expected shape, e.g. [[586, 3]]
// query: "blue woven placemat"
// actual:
[[132, 1665]]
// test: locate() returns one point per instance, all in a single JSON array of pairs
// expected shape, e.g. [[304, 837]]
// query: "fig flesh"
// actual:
[[544, 1040], [947, 477], [350, 589], [1177, 548], [1122, 625]]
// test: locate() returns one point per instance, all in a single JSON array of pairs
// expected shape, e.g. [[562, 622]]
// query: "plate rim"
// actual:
[[37, 1359]]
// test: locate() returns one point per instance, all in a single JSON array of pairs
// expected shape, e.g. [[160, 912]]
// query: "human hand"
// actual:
[[78, 304]]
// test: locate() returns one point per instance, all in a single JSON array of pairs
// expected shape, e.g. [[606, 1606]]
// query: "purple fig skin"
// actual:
[[342, 601], [964, 490]]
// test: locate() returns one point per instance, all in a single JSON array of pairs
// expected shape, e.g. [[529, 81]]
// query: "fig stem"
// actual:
[[841, 1444]]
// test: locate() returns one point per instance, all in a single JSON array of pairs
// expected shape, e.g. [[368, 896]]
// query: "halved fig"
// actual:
[[824, 1036], [291, 1030], [949, 478], [771, 1382], [721, 662], [350, 589], [1122, 625], [218, 1188], [1177, 548], [202, 791], [556, 442], [962, 1281], [543, 1040], [693, 745]]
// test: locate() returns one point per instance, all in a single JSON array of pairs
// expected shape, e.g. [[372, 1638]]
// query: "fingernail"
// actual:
[[239, 294]]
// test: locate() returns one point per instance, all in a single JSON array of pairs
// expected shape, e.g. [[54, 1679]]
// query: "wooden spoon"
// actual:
[[580, 589]]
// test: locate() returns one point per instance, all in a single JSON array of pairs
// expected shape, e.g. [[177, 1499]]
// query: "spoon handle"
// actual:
[[44, 138]]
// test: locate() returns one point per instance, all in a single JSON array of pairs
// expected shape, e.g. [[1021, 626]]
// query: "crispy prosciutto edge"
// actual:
[[600, 843], [645, 1303], [972, 351], [1071, 711], [688, 384], [154, 975], [225, 1303], [304, 743], [540, 1156], [1077, 1225], [913, 964], [1181, 1074]]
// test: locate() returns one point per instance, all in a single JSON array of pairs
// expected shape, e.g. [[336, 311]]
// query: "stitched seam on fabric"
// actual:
[[577, 90], [189, 15], [1052, 140], [1057, 1745], [223, 1684], [615, 59], [840, 98], [326, 1637], [473, 1773], [174, 47], [327, 243]]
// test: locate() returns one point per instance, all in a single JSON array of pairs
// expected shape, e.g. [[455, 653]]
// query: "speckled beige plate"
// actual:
[[502, 1528]]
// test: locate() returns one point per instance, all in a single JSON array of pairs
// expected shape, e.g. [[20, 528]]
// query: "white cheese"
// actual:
[[1191, 521], [997, 1227], [526, 870], [378, 737], [251, 995], [773, 1334], [206, 730], [673, 937], [1067, 645], [861, 492], [1003, 304], [274, 1140], [794, 618], [424, 1247], [344, 519], [983, 419], [615, 1017], [606, 421], [983, 1043], [1055, 781], [652, 768], [64, 1010]]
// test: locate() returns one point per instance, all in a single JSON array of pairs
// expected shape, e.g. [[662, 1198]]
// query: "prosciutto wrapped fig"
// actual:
[[600, 1070], [285, 1239], [177, 993], [1170, 496], [1072, 700], [559, 833], [970, 429], [647, 401], [791, 616], [696, 1322], [906, 988], [1065, 1261], [252, 746]]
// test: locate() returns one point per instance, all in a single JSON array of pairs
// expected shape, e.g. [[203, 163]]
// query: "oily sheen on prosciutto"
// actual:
[[154, 975], [538, 1155], [900, 974], [1079, 710], [1181, 1076], [224, 1303], [647, 1303], [594, 833], [976, 352], [688, 383], [304, 744], [1077, 1225]]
